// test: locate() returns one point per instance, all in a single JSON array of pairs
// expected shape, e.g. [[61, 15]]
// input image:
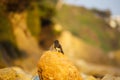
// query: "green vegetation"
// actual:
[[86, 25], [33, 20], [6, 33], [44, 10]]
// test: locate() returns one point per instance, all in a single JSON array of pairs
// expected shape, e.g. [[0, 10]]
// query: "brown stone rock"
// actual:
[[7, 74], [55, 66], [110, 77], [14, 73], [90, 78]]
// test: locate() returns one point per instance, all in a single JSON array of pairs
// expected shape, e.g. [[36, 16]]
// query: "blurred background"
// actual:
[[88, 30]]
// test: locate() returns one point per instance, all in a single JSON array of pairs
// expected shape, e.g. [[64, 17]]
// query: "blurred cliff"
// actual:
[[23, 26], [28, 27]]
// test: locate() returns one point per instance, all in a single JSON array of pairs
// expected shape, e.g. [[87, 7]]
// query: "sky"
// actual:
[[112, 5]]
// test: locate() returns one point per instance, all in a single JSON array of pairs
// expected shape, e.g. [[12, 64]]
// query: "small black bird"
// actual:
[[57, 47]]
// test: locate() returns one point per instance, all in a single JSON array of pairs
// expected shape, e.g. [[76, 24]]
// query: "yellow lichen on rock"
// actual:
[[55, 66], [7, 74]]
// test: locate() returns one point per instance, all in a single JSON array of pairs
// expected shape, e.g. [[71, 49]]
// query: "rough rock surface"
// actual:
[[7, 74], [110, 77], [14, 73], [55, 66]]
